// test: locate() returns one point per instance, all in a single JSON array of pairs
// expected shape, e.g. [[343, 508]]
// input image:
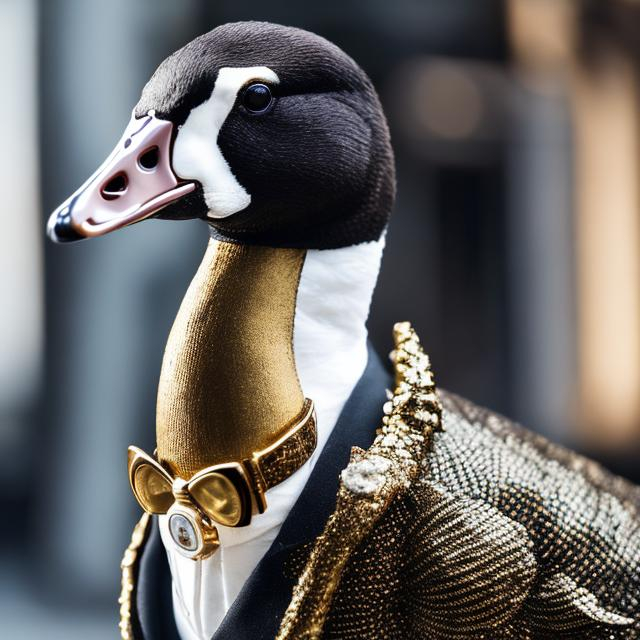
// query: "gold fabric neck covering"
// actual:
[[228, 384]]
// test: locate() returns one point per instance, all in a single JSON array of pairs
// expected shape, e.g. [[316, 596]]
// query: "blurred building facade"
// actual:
[[515, 126]]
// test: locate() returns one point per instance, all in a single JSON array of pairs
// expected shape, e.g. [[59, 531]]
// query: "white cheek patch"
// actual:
[[196, 154]]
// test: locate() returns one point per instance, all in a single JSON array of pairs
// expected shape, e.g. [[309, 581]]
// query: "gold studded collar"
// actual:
[[228, 494]]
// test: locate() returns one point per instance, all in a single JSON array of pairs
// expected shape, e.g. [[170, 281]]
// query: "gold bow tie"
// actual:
[[228, 494]]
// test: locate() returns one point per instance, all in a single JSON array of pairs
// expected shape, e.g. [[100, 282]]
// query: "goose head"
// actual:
[[271, 134]]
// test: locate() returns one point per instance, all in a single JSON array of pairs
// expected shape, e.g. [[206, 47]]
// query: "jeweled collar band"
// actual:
[[228, 494]]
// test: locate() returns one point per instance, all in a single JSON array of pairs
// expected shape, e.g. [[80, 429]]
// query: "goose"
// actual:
[[447, 521], [265, 132]]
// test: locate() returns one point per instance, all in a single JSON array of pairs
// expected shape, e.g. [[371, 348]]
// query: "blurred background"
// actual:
[[515, 125]]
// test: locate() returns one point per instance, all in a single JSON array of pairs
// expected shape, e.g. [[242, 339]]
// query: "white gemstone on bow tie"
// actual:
[[183, 532]]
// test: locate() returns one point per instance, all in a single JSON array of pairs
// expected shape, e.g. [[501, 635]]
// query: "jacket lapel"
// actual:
[[154, 601], [258, 609]]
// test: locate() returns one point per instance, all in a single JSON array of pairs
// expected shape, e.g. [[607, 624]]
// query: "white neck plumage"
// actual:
[[330, 350], [330, 334]]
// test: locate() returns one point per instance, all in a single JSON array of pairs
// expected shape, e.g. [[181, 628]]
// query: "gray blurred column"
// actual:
[[20, 247], [541, 260]]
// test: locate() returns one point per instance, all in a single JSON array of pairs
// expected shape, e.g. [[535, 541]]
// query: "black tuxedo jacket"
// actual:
[[448, 522]]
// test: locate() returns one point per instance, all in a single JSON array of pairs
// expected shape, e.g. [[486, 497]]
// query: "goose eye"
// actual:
[[257, 98]]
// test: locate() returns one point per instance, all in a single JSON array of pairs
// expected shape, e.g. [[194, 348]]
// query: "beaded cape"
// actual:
[[457, 523]]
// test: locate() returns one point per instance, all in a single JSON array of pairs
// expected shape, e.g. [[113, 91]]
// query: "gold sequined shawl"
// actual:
[[456, 523]]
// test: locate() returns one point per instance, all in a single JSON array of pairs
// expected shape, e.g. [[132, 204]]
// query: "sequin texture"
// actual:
[[476, 529]]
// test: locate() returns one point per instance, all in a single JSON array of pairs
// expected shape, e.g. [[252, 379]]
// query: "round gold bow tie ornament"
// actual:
[[228, 494]]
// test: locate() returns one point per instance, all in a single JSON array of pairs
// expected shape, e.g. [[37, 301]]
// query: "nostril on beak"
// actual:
[[149, 159], [115, 187]]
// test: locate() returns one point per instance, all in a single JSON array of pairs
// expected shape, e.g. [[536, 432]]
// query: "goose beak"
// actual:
[[133, 183]]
